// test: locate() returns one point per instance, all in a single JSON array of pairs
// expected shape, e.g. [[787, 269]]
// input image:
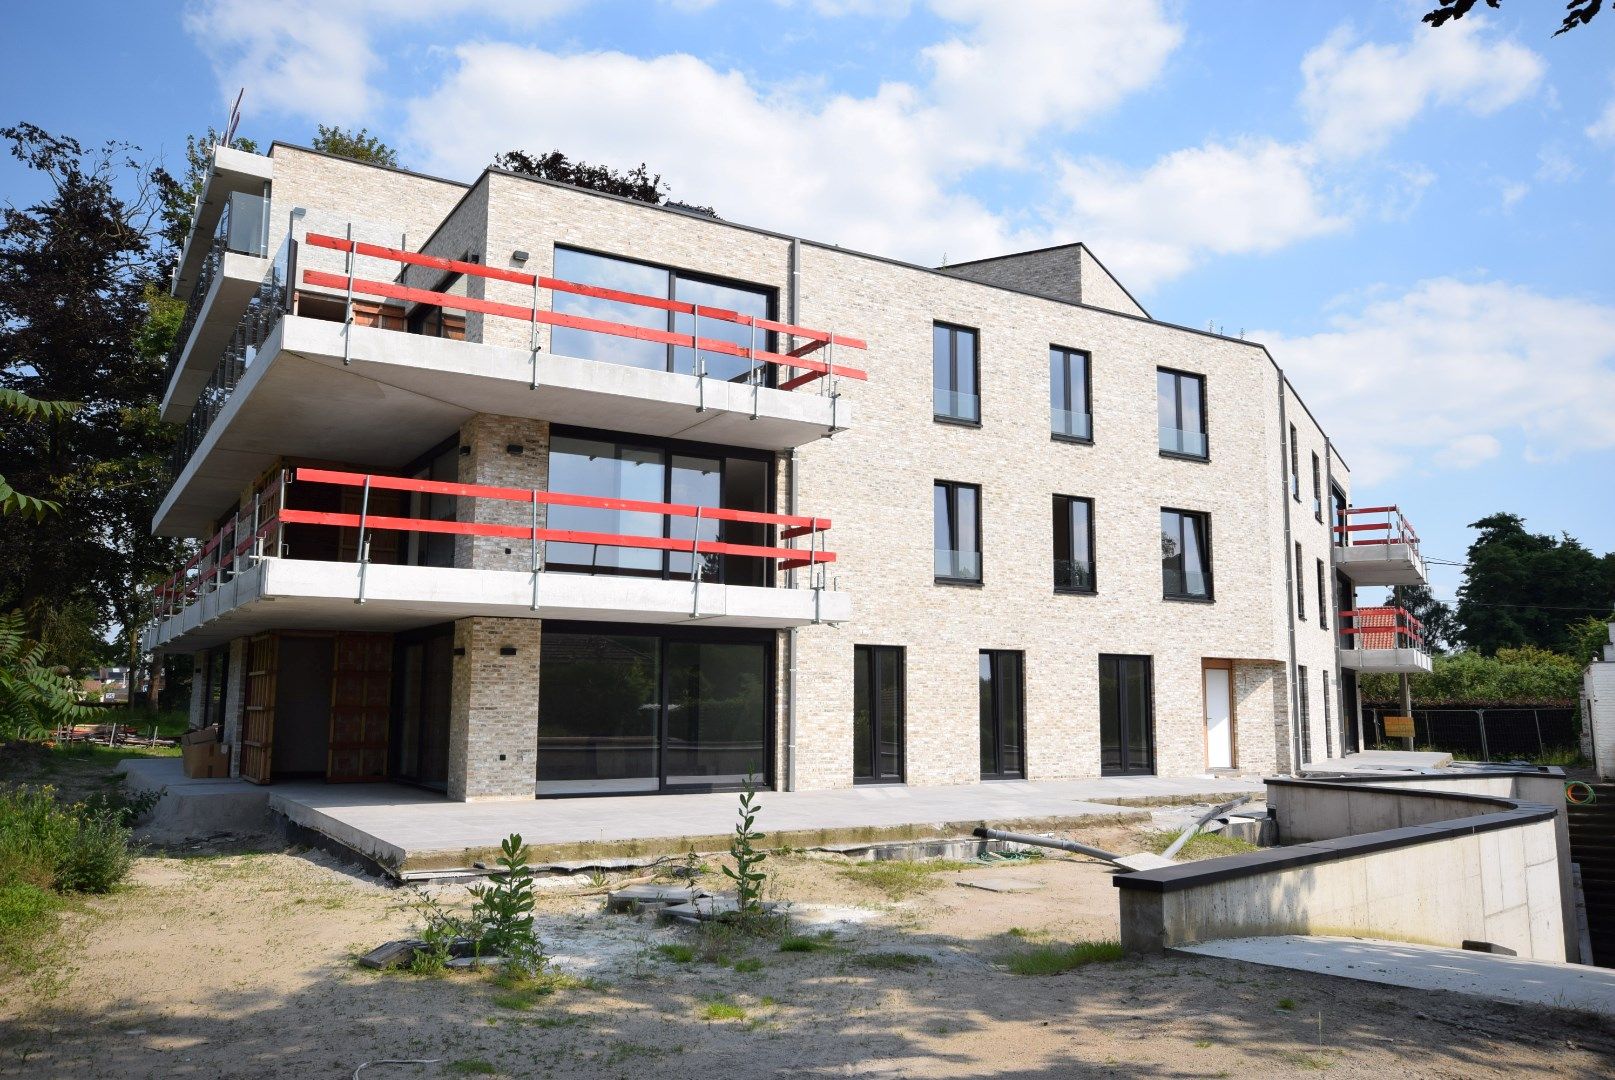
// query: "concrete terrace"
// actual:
[[414, 833]]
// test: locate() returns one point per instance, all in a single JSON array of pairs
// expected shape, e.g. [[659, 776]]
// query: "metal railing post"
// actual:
[[1480, 718], [347, 322], [695, 358], [532, 336], [830, 379], [535, 548], [756, 375], [363, 545], [695, 567]]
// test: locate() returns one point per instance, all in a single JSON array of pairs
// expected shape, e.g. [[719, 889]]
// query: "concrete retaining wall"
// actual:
[[1377, 860]]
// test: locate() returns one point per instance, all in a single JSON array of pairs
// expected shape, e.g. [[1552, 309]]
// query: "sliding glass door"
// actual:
[[635, 709], [1126, 716], [877, 714]]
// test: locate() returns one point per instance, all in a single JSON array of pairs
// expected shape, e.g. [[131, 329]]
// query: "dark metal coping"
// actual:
[[1270, 860]]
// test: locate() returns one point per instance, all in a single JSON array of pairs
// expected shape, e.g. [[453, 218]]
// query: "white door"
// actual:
[[1219, 722]]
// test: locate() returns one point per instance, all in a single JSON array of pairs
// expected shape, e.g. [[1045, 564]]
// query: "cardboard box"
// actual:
[[203, 755]]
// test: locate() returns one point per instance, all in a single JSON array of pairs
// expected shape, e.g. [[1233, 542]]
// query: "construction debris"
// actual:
[[1001, 884], [638, 896], [1215, 812]]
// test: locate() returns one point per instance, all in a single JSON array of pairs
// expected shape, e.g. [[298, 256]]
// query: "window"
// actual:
[[1185, 555], [1295, 466], [1070, 399], [1317, 488], [1337, 513], [1002, 689], [1126, 716], [625, 275], [1180, 406], [954, 368], [1304, 715], [957, 531], [1323, 596], [877, 714], [1328, 725], [1300, 586], [1073, 544]]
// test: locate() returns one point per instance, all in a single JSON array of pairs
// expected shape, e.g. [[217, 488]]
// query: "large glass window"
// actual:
[[1069, 395], [1073, 544], [957, 531], [422, 677], [624, 275], [622, 712], [433, 549], [650, 471], [1003, 721], [1180, 405], [954, 370], [1337, 514], [1185, 555], [877, 714], [1295, 466], [1126, 716]]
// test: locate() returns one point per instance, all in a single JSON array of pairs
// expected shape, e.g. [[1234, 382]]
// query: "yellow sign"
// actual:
[[1398, 727]]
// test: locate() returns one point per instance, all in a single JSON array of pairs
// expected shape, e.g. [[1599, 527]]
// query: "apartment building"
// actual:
[[510, 489]]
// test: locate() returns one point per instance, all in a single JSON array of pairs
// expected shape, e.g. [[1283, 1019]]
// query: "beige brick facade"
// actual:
[[493, 718]]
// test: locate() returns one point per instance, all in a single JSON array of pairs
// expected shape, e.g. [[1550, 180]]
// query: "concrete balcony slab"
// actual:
[[1387, 661], [402, 394], [1381, 564], [238, 277], [299, 594]]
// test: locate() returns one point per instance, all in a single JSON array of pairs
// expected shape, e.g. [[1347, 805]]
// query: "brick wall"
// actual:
[[493, 716]]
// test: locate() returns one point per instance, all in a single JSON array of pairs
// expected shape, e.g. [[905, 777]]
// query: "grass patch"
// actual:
[[750, 965], [721, 1007], [1307, 1061], [1286, 1004], [27, 913], [472, 1067], [1058, 959], [892, 961], [824, 942], [678, 953], [1200, 846], [899, 878]]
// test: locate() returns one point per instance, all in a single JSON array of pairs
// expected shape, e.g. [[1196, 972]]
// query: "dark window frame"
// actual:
[[995, 657], [874, 652], [1210, 573], [1323, 596], [1177, 406], [1295, 464], [1062, 503], [1120, 660], [1300, 584], [953, 370], [953, 487], [1087, 392], [1317, 486], [767, 341], [1304, 713]]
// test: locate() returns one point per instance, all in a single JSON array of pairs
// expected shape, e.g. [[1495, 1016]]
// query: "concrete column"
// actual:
[[493, 717], [234, 700], [199, 667], [501, 451]]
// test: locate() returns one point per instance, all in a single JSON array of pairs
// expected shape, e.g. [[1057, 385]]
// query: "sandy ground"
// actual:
[[215, 964]]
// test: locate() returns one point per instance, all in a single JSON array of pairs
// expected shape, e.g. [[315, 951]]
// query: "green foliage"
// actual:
[[1440, 624], [1577, 12], [679, 953], [1588, 637], [358, 145], [638, 184], [76, 848], [27, 913], [1201, 845], [743, 849], [721, 1007], [900, 878], [18, 404], [824, 942], [34, 698], [1527, 676], [1524, 588], [1058, 959], [892, 961], [504, 911]]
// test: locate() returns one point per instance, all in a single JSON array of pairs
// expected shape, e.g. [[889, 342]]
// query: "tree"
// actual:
[[638, 184], [34, 696], [18, 404], [77, 272], [1523, 588], [1577, 12], [1440, 626], [359, 145]]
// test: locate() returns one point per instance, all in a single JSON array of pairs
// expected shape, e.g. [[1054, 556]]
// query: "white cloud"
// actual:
[[1358, 95], [1513, 192], [1443, 376], [1602, 130], [1155, 223], [877, 171], [314, 58]]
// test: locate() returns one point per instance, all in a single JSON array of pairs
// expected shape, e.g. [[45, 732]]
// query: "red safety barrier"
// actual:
[[1394, 527], [797, 358], [1383, 628]]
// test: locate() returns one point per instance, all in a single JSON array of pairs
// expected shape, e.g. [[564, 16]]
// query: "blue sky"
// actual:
[[1416, 222]]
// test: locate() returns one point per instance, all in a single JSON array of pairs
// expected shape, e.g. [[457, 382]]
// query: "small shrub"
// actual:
[[1286, 1004], [1058, 959], [504, 910], [743, 849], [75, 848], [721, 1007]]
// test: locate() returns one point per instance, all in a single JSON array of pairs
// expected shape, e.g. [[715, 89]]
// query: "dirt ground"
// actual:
[[220, 962]]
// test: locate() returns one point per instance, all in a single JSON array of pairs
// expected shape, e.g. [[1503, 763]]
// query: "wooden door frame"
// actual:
[[259, 752], [1210, 664]]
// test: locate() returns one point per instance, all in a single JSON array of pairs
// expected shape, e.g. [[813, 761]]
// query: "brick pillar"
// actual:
[[235, 685], [501, 451], [493, 718]]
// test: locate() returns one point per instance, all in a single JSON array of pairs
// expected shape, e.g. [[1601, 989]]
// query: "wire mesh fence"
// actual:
[[1503, 733]]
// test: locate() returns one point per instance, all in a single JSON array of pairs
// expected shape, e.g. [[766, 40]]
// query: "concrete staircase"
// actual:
[[1592, 845]]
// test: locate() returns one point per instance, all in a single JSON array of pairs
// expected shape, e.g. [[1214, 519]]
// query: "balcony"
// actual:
[[1375, 545], [314, 374], [231, 270], [243, 580], [1382, 639]]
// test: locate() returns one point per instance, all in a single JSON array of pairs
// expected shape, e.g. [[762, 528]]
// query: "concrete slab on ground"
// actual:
[[193, 809], [413, 831], [1380, 761], [1426, 967]]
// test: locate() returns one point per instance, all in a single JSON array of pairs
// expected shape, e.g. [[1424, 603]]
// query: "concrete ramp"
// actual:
[[1426, 967], [192, 809]]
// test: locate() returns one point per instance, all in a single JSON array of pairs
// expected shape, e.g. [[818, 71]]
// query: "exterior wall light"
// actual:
[[518, 256]]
